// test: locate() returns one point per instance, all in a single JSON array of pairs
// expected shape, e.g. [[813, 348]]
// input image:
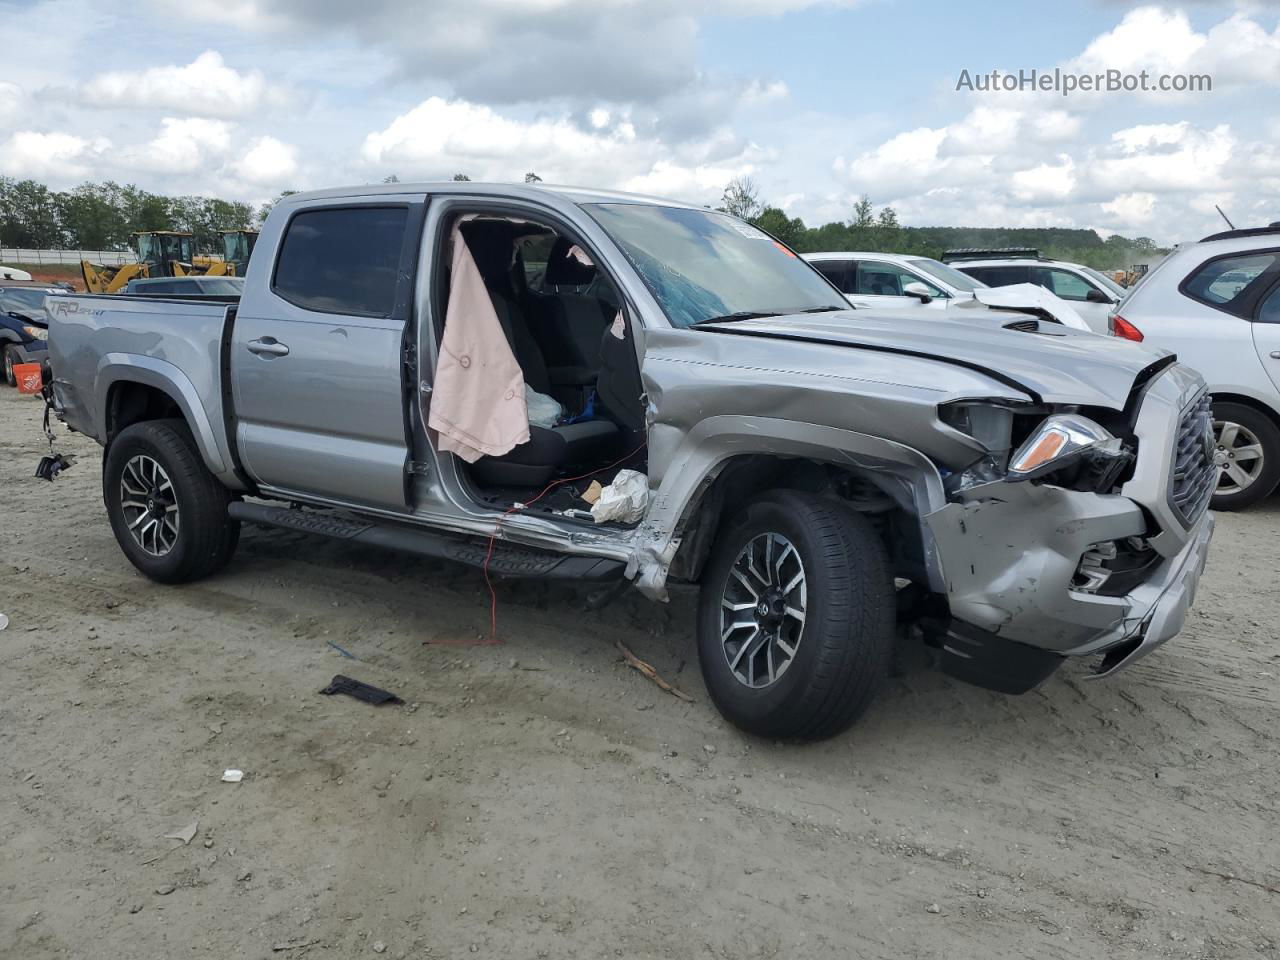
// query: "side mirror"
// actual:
[[1097, 296], [918, 290]]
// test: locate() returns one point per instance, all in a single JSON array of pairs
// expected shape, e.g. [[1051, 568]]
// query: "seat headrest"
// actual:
[[568, 265]]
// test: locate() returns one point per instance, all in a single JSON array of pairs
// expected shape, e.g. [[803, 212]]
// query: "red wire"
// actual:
[[493, 537]]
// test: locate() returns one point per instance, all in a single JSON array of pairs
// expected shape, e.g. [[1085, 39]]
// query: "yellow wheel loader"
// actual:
[[161, 253], [237, 245]]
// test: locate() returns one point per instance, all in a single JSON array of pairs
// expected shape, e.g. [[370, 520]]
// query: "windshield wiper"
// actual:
[[740, 315], [822, 309]]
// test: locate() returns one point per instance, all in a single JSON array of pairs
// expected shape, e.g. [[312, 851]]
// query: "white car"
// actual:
[[1216, 304], [1092, 293], [897, 281]]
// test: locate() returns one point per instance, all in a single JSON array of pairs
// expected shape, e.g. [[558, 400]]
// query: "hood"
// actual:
[[1028, 296], [1051, 363]]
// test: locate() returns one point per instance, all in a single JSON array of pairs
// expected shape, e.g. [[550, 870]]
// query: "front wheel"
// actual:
[[167, 511], [10, 376], [795, 617], [1248, 450]]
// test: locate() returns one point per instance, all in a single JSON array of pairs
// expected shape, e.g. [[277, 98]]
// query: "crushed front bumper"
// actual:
[[1010, 555]]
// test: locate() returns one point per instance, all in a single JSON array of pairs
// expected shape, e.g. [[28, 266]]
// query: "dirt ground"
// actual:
[[538, 798]]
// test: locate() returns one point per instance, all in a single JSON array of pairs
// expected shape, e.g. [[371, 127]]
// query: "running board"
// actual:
[[506, 561]]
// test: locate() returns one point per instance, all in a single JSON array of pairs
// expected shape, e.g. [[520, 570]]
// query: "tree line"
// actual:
[[101, 216], [879, 231]]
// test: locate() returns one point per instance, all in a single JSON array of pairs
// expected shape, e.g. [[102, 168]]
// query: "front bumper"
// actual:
[[1010, 553]]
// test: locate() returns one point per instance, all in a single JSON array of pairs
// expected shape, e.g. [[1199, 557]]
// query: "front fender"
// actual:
[[116, 368], [905, 473]]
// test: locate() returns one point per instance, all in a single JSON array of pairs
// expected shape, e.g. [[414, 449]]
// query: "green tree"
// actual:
[[790, 230], [741, 198], [532, 177], [862, 213], [460, 177]]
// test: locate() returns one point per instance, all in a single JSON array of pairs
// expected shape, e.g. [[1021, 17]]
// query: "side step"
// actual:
[[507, 560]]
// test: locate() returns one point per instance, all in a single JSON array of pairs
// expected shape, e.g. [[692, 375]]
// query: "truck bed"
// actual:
[[175, 346]]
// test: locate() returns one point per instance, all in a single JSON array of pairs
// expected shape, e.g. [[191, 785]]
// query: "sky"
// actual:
[[818, 101]]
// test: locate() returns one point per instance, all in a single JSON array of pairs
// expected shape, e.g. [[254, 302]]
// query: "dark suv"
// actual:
[[24, 326]]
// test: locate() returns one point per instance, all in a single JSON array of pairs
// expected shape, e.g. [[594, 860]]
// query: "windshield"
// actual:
[[29, 302], [949, 275], [700, 264], [1110, 285]]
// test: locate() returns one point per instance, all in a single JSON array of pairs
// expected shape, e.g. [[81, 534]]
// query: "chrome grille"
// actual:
[[1195, 475]]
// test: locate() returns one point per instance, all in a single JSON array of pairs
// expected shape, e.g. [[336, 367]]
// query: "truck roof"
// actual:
[[526, 191]]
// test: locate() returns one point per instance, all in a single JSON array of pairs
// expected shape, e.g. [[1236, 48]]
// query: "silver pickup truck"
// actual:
[[1014, 491]]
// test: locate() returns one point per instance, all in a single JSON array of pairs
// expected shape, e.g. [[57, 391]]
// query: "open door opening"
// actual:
[[535, 333]]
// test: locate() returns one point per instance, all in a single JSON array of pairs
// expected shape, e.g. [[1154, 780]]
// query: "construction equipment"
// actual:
[[161, 253], [237, 245]]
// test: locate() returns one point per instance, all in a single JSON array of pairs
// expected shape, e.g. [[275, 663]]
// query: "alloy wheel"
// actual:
[[1238, 451], [150, 505], [762, 610]]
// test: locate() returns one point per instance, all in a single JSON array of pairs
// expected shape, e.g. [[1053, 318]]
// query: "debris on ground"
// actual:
[[4, 621], [637, 664], [165, 889], [185, 834], [232, 776], [359, 690], [283, 945]]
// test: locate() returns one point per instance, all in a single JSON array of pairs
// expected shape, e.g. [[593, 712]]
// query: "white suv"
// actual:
[[1091, 292], [1216, 304]]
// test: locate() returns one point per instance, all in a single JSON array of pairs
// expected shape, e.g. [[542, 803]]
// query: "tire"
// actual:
[[843, 647], [191, 536], [1237, 429], [10, 377]]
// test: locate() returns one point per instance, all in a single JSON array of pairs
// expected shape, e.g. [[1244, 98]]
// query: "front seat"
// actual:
[[549, 450]]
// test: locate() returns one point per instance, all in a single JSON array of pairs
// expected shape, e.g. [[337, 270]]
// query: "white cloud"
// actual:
[[1132, 208], [10, 101], [1236, 52], [520, 51], [1045, 181], [1164, 157], [267, 162], [184, 146], [54, 156], [205, 87], [439, 137]]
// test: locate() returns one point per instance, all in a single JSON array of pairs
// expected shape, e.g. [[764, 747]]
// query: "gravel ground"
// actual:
[[538, 798]]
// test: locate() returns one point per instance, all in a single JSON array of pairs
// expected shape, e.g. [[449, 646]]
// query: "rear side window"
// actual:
[[1232, 283], [997, 276], [1064, 283], [343, 260], [1270, 312], [879, 279], [838, 272]]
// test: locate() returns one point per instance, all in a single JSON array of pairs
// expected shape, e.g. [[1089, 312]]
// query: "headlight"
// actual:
[[1058, 442], [36, 333]]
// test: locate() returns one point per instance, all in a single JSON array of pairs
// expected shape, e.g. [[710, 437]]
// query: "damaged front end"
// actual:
[[1080, 531]]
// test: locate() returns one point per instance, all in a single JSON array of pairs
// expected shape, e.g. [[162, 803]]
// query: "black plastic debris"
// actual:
[[361, 691], [50, 467]]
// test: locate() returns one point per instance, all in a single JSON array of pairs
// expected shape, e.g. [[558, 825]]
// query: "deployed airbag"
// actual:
[[478, 401]]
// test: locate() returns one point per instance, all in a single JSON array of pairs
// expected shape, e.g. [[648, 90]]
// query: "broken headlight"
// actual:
[[1074, 451]]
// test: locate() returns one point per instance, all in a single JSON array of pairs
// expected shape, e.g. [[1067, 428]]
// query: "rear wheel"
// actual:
[[168, 512], [1248, 450], [795, 618], [10, 377]]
